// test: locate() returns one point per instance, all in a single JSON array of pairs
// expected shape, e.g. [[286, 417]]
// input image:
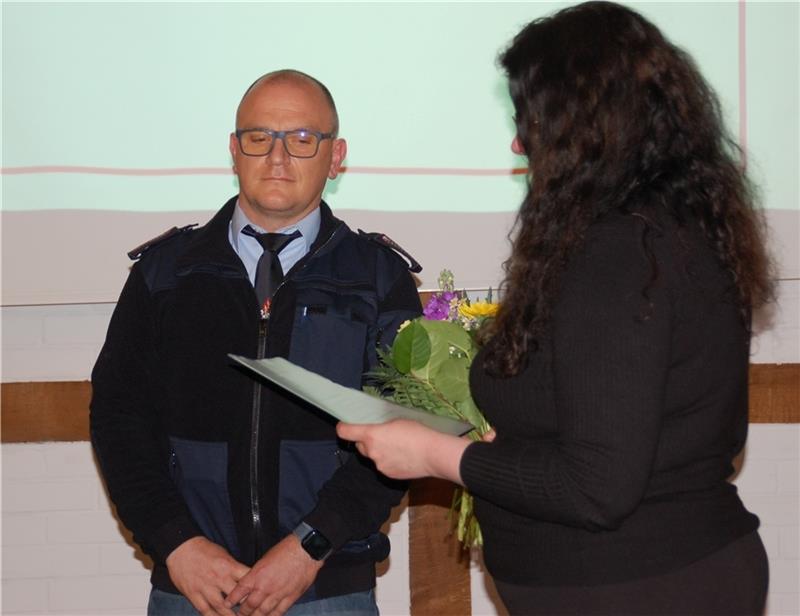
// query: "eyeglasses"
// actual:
[[299, 143]]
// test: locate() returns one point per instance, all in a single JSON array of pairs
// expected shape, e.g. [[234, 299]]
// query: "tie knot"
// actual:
[[273, 242]]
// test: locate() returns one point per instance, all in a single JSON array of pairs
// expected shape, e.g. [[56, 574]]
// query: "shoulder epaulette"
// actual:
[[387, 242], [137, 252]]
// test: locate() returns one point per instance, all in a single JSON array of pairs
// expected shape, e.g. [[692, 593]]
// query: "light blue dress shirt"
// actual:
[[249, 250]]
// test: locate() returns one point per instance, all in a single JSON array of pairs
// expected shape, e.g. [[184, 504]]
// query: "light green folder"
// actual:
[[343, 403]]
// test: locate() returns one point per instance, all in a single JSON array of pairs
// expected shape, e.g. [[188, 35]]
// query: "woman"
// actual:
[[615, 373]]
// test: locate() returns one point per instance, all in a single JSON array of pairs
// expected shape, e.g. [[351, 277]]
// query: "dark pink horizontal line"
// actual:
[[226, 171], [115, 170], [431, 171]]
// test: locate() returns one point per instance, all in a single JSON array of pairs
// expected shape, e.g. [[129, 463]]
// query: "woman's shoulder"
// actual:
[[654, 242], [643, 228], [617, 235]]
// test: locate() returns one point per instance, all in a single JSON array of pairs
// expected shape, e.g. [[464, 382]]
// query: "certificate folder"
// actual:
[[343, 403]]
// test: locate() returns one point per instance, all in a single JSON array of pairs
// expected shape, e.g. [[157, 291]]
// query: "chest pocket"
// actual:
[[333, 328]]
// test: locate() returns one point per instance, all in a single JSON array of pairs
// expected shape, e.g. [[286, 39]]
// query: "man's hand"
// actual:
[[276, 581], [204, 573]]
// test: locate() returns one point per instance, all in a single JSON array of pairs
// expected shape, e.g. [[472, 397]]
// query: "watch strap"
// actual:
[[301, 530]]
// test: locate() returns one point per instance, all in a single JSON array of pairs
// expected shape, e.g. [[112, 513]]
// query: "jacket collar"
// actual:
[[329, 226], [210, 248]]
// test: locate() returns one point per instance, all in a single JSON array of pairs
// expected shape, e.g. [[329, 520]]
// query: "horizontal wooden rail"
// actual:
[[45, 411], [59, 410], [774, 393]]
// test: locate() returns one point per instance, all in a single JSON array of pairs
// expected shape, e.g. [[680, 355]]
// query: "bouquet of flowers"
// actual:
[[427, 368]]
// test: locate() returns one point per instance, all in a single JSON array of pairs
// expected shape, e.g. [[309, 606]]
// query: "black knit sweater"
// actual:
[[615, 441]]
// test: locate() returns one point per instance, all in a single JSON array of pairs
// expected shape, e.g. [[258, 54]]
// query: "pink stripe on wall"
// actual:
[[433, 171], [39, 169]]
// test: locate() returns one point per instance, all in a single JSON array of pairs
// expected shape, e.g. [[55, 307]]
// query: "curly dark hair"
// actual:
[[614, 116]]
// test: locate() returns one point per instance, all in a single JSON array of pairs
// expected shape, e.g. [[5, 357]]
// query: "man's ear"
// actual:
[[338, 153], [233, 148]]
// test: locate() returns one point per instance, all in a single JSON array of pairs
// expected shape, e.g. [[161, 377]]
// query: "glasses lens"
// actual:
[[301, 144], [255, 143]]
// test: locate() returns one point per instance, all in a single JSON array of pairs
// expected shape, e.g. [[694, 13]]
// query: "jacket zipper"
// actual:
[[254, 433], [263, 326]]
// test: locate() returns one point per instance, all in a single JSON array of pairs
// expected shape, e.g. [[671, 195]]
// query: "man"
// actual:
[[239, 492]]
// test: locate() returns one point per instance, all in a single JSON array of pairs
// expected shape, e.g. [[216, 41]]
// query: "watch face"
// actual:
[[317, 546]]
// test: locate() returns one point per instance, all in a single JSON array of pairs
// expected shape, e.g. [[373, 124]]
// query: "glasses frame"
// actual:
[[281, 134]]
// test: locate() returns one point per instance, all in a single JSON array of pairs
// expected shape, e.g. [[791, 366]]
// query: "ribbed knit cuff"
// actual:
[[492, 471], [330, 524]]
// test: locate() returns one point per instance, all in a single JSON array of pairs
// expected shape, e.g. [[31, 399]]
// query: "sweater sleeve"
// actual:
[[124, 428], [610, 358], [358, 499]]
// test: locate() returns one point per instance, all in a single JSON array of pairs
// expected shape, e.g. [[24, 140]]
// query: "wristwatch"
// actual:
[[313, 541]]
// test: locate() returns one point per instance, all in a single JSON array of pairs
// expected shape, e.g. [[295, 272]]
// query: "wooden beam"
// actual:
[[774, 393], [439, 567], [46, 411], [59, 410]]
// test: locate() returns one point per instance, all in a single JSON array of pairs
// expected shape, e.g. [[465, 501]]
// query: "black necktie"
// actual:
[[269, 273]]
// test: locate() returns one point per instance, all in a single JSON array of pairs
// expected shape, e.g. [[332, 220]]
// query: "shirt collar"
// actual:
[[308, 227]]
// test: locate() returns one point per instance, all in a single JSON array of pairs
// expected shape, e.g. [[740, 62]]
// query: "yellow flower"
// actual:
[[479, 310]]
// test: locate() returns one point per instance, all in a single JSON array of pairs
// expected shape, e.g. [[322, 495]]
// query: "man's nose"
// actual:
[[278, 154]]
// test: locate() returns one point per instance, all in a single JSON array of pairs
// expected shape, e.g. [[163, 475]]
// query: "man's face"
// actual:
[[277, 190]]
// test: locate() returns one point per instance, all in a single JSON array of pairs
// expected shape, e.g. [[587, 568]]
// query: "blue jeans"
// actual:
[[356, 604]]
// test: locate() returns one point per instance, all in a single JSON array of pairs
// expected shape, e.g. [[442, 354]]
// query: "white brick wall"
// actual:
[[61, 343], [769, 486], [52, 343], [63, 552], [780, 343], [62, 549]]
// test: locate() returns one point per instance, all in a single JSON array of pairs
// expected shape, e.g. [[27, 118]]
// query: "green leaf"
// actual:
[[447, 333], [452, 379], [442, 336], [469, 411], [412, 348]]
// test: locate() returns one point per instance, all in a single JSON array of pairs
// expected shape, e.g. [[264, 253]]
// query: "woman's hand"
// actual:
[[405, 449]]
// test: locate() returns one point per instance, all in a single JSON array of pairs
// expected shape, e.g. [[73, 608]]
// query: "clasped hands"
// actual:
[[214, 582]]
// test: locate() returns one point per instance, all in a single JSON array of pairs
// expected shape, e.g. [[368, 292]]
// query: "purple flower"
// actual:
[[438, 307]]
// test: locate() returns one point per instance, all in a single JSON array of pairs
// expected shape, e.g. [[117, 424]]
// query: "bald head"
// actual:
[[292, 76]]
